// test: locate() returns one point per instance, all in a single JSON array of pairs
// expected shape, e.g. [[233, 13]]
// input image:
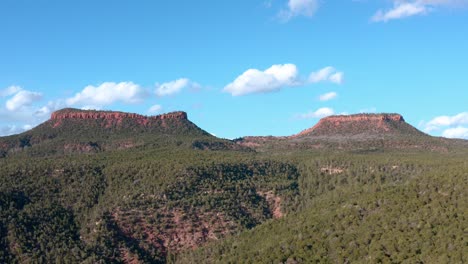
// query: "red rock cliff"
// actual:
[[363, 117], [91, 114], [111, 118], [364, 121]]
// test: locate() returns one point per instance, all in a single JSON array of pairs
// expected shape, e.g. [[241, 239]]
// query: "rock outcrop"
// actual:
[[111, 118], [358, 124], [92, 114], [363, 117]]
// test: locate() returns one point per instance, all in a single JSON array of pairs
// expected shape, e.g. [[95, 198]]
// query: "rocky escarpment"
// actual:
[[360, 124], [111, 117], [70, 113], [364, 117]]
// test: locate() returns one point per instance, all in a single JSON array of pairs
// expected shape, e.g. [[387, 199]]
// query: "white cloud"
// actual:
[[408, 8], [10, 91], [21, 99], [108, 93], [299, 8], [10, 130], [272, 79], [277, 77], [27, 127], [329, 74], [42, 111], [451, 126], [319, 113], [51, 106], [447, 121], [337, 77], [26, 114], [328, 96], [173, 87], [456, 132], [400, 10], [155, 109], [13, 129]]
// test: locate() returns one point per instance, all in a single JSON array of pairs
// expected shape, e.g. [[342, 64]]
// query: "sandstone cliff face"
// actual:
[[355, 124], [364, 117], [89, 114], [111, 118]]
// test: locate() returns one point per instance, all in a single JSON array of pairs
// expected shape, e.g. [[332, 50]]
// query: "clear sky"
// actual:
[[238, 68]]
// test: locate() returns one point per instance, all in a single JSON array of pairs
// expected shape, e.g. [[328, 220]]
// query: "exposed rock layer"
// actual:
[[91, 114], [355, 124], [364, 117]]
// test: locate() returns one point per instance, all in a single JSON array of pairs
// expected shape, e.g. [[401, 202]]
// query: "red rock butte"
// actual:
[[109, 115], [377, 121], [363, 117]]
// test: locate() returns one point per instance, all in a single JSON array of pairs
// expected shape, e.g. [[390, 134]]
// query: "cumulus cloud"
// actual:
[[13, 129], [408, 8], [400, 10], [42, 111], [327, 74], [50, 107], [447, 121], [256, 81], [155, 109], [108, 93], [277, 77], [21, 111], [328, 96], [337, 77], [319, 113], [456, 132], [451, 126], [295, 8], [9, 91], [174, 87], [10, 130], [22, 99]]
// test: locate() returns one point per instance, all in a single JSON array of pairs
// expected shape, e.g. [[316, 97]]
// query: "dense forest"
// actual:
[[183, 196]]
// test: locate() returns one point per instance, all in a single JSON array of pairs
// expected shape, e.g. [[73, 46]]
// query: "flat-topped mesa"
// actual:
[[364, 117], [354, 124], [173, 115], [88, 114], [111, 115]]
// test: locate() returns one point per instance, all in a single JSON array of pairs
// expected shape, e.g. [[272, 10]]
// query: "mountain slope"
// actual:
[[359, 132], [138, 189], [416, 217], [88, 131]]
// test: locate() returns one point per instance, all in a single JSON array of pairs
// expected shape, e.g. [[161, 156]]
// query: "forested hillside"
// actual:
[[179, 195], [378, 209]]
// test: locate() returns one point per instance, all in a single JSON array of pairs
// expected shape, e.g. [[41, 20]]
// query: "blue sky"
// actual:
[[237, 67]]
